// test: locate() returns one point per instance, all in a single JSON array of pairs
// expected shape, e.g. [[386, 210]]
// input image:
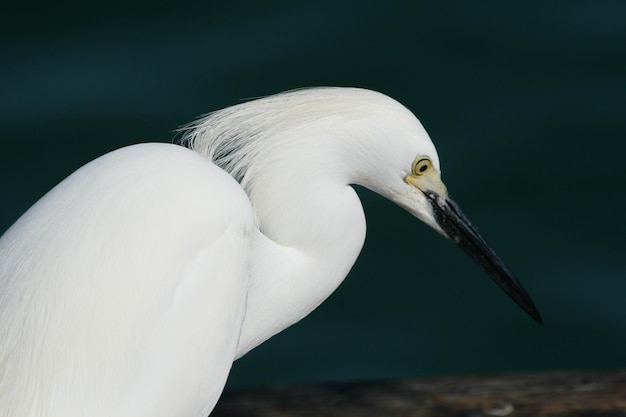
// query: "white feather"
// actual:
[[130, 288]]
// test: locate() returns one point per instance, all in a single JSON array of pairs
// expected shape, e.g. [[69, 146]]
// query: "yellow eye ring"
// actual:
[[421, 166]]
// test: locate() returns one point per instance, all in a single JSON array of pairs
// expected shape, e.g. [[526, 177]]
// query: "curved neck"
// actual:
[[295, 154], [300, 270]]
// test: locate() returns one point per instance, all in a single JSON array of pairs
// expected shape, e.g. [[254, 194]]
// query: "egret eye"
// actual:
[[421, 166]]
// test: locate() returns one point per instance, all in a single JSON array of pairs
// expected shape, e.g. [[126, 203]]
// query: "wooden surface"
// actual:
[[551, 394]]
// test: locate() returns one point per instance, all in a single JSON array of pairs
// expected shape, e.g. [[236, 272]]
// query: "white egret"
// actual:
[[130, 288]]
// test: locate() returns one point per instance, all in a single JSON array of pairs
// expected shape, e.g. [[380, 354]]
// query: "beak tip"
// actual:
[[534, 313], [514, 289]]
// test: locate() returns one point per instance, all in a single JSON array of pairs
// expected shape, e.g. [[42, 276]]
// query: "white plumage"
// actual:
[[129, 289]]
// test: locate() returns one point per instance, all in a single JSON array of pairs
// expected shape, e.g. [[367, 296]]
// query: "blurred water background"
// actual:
[[525, 102]]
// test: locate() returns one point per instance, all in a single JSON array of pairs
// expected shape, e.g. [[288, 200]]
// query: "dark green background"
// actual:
[[525, 102]]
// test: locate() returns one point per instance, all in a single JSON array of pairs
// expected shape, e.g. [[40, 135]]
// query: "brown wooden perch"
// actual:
[[570, 394]]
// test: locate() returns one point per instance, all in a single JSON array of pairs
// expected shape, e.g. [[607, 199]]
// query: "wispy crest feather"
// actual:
[[234, 137]]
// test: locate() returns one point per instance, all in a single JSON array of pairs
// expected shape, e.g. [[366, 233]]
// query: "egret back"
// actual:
[[125, 283]]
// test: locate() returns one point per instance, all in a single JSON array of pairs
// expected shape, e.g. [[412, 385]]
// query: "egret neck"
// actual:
[[307, 243]]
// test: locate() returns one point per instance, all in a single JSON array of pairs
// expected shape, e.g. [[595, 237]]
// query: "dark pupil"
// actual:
[[423, 168]]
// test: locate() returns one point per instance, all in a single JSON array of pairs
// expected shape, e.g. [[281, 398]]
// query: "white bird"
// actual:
[[130, 288]]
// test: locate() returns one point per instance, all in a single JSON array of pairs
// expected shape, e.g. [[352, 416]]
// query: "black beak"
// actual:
[[453, 222]]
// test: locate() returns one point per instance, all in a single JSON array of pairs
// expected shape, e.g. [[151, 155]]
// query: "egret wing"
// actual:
[[122, 290]]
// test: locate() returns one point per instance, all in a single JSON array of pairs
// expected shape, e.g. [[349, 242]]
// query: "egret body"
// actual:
[[130, 288]]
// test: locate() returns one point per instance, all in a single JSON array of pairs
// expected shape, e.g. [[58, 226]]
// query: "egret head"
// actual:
[[417, 187]]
